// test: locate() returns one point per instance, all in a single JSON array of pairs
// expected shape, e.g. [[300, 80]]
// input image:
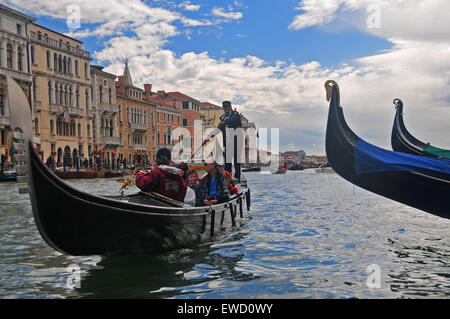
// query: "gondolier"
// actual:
[[229, 122]]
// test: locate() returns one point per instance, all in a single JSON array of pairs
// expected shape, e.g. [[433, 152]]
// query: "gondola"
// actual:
[[8, 176], [416, 181], [79, 223], [403, 141]]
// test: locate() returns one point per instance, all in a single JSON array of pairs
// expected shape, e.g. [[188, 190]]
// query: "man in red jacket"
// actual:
[[163, 179]]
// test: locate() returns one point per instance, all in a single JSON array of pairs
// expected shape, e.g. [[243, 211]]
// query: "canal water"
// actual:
[[308, 235]]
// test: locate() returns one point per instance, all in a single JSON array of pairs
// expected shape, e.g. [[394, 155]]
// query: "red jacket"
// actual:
[[163, 180]]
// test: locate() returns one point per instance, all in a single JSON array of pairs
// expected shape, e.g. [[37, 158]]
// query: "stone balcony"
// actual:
[[4, 121], [109, 140], [111, 108], [90, 113], [55, 108], [73, 111], [54, 43], [37, 106], [138, 127], [140, 147]]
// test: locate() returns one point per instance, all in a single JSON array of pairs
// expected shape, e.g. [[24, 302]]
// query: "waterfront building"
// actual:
[[212, 112], [14, 62], [137, 122], [105, 116], [250, 158], [293, 157], [315, 160], [61, 84]]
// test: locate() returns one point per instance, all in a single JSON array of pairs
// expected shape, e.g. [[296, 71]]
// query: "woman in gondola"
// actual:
[[213, 188]]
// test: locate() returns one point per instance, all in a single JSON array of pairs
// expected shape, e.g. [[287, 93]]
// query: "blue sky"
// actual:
[[262, 32], [271, 58]]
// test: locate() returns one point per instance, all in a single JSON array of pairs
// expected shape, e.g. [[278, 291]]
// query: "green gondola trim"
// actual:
[[436, 152]]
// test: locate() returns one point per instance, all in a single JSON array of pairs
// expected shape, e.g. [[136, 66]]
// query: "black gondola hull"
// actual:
[[401, 139], [427, 191], [78, 223]]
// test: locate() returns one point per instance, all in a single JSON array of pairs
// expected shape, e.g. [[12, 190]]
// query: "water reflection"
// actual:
[[176, 273]]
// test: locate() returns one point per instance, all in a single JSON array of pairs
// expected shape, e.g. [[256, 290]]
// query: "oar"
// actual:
[[204, 143]]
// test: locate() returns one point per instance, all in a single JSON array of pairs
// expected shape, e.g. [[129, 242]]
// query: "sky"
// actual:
[[272, 58]]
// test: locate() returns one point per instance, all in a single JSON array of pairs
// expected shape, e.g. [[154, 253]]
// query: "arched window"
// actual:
[[60, 64], [79, 130], [78, 98], [69, 65], [55, 62], [33, 54], [70, 95], [36, 125], [52, 129], [89, 130], [56, 93], [64, 65], [87, 99], [111, 128], [62, 91], [76, 68], [66, 93], [35, 90], [101, 93], [86, 71], [110, 96], [48, 59], [9, 56], [49, 92]]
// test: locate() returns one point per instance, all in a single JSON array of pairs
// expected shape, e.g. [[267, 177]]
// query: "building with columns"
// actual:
[[105, 118], [14, 62], [62, 106]]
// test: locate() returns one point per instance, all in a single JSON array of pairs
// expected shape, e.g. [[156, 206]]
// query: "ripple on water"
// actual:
[[308, 236]]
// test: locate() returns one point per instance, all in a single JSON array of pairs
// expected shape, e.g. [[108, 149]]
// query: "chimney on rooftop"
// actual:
[[147, 87]]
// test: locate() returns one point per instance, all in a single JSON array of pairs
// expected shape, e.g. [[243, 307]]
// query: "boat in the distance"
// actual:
[[75, 222], [296, 167], [403, 141], [325, 168], [416, 181], [8, 176]]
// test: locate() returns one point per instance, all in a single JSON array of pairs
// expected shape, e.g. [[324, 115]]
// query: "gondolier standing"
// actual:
[[230, 121]]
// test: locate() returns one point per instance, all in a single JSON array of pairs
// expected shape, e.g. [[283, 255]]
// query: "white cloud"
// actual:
[[283, 94], [188, 6], [230, 14], [315, 13]]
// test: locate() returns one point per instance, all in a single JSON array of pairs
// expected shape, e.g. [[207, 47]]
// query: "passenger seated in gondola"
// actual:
[[183, 167], [163, 179], [193, 181], [228, 179], [212, 188]]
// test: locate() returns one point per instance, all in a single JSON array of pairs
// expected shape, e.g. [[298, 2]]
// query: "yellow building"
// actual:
[[211, 112], [62, 109], [14, 62]]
